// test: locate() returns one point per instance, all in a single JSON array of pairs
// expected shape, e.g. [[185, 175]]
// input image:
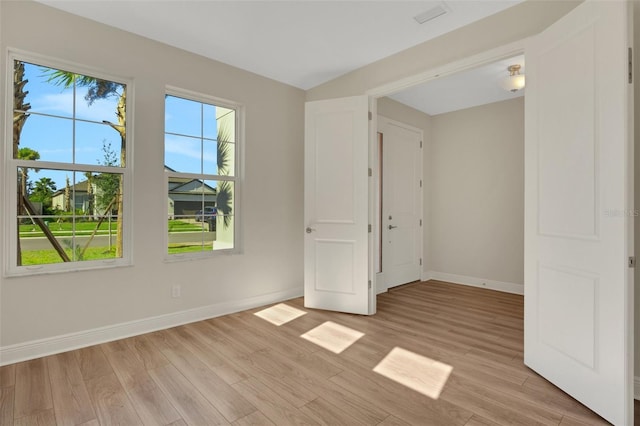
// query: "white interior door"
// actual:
[[578, 297], [401, 202], [336, 188]]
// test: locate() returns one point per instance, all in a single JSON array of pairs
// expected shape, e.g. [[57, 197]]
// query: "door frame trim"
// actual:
[[502, 52]]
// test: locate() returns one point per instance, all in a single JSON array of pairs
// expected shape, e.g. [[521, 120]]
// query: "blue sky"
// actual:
[[53, 137], [183, 153]]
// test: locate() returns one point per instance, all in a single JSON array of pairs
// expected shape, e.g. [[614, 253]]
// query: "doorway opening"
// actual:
[[468, 202], [400, 212]]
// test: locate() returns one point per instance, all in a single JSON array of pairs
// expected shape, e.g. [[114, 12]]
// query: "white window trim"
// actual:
[[9, 200], [237, 177]]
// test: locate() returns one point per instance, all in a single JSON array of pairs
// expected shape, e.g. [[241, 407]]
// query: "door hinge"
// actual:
[[420, 222], [420, 144], [370, 172], [369, 283], [369, 228], [370, 116], [420, 261], [632, 261], [630, 65], [420, 183]]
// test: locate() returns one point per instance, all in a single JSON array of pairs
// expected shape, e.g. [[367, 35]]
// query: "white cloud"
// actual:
[[183, 147], [62, 104], [186, 147]]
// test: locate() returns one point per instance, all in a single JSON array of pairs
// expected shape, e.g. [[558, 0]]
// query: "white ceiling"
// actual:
[[466, 89], [302, 43]]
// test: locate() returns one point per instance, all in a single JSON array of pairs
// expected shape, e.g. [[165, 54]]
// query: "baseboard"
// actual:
[[426, 275], [636, 387], [477, 282], [53, 345]]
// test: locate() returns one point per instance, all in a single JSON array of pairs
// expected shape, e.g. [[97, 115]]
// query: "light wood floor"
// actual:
[[243, 370]]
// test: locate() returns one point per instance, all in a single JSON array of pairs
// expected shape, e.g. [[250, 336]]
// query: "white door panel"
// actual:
[[576, 198], [402, 202], [336, 205]]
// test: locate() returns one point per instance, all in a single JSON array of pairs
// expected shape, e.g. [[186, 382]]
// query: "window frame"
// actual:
[[10, 164], [236, 178]]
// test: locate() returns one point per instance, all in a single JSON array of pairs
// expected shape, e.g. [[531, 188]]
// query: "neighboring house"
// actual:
[[84, 200], [80, 193], [185, 197]]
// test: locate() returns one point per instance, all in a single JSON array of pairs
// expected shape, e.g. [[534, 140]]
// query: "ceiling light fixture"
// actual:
[[432, 13], [515, 80]]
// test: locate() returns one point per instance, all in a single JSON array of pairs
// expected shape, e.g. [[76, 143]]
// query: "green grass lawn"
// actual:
[[65, 229], [42, 257], [48, 256], [180, 226], [187, 248]]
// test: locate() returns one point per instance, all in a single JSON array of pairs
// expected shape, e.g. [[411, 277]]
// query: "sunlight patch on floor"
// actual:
[[414, 371], [280, 314], [332, 336]]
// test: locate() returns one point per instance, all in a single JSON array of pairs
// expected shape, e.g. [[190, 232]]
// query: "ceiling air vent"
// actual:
[[431, 14]]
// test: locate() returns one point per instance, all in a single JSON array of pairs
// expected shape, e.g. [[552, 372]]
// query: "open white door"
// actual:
[[578, 297], [336, 205]]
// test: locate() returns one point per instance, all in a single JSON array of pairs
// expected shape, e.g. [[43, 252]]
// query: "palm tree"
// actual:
[[20, 107], [43, 192], [102, 89], [20, 115], [224, 198], [26, 154]]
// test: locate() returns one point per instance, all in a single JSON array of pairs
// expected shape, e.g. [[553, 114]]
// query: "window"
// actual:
[[200, 161], [67, 161]]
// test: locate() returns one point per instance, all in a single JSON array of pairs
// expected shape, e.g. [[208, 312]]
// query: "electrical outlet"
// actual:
[[175, 291]]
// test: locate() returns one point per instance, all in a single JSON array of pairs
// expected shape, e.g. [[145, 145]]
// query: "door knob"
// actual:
[[309, 229], [392, 227]]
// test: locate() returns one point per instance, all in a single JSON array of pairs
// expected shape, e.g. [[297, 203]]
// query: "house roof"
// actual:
[[176, 185], [81, 186], [193, 186]]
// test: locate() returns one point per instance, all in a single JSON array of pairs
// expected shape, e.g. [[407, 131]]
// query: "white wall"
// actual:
[[476, 174], [271, 267]]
